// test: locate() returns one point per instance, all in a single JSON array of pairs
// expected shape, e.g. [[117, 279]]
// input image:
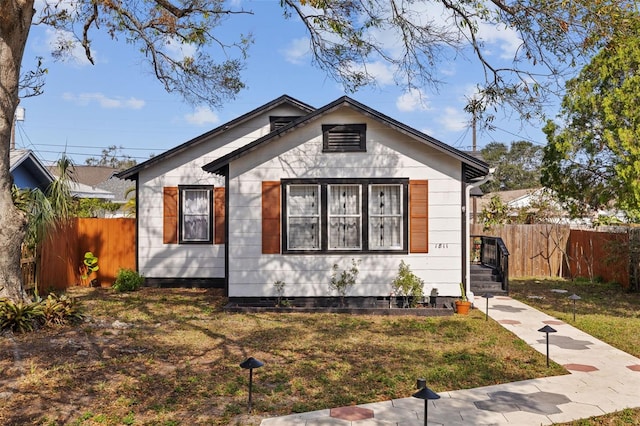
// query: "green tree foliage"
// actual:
[[112, 156], [495, 213], [542, 207], [46, 211], [517, 166], [593, 160]]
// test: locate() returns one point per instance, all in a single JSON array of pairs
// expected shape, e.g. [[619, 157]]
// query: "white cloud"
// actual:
[[202, 116], [454, 119], [381, 72], [506, 39], [297, 50], [178, 50], [84, 99], [413, 100]]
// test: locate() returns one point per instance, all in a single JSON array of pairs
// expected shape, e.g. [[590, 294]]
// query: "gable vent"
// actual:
[[278, 122], [341, 138]]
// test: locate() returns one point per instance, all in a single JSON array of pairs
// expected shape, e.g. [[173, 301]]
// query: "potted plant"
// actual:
[[463, 305]]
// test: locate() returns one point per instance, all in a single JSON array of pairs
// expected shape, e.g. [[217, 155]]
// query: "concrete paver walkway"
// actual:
[[603, 379]]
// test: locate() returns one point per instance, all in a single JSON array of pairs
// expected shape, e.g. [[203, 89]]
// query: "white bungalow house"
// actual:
[[286, 191]]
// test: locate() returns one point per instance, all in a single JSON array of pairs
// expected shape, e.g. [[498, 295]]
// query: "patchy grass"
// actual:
[[605, 311], [171, 357]]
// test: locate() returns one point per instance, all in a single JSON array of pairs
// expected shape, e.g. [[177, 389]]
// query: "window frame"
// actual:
[[364, 184], [327, 129], [318, 214], [182, 189], [403, 214], [344, 215]]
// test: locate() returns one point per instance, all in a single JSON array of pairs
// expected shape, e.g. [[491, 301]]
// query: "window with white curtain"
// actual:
[[303, 217], [345, 215], [196, 214], [385, 217]]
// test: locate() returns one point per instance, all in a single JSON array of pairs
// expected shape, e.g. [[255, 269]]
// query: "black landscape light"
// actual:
[[426, 394], [251, 363], [575, 298], [487, 296], [547, 329]]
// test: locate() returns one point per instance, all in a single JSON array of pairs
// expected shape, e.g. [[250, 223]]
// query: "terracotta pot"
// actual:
[[462, 307]]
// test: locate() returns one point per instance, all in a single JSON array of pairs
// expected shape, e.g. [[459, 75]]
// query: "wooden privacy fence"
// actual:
[[113, 241], [558, 251], [534, 250]]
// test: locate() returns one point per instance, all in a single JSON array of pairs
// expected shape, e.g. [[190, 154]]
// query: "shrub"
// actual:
[[345, 280], [26, 316], [59, 310], [279, 289], [127, 280], [408, 285], [20, 316]]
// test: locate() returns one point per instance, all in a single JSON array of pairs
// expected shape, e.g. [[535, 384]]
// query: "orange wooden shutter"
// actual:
[[270, 217], [220, 216], [418, 216], [170, 215]]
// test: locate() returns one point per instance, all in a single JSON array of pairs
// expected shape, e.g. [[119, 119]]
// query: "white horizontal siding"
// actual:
[[311, 276], [252, 274], [159, 260]]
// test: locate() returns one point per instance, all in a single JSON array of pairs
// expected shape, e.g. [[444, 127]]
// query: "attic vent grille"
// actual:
[[278, 122], [344, 138]]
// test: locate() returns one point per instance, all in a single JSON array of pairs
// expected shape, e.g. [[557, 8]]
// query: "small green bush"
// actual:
[[19, 316], [59, 310], [341, 282], [408, 285], [127, 280], [27, 316]]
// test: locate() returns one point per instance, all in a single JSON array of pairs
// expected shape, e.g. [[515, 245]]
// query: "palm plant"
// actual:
[[46, 211]]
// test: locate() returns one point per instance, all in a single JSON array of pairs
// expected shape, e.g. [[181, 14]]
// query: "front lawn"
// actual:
[[171, 357]]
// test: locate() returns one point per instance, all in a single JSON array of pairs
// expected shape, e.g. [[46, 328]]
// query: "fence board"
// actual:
[[111, 240], [535, 250], [603, 255], [557, 251]]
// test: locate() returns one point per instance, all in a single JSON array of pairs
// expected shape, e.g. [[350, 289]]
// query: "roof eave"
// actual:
[[479, 167], [133, 172]]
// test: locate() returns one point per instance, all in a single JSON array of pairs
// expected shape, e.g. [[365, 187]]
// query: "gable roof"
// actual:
[[132, 173], [474, 167], [88, 175], [19, 158]]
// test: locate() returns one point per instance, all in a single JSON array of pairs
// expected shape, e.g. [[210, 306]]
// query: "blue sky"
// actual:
[[86, 108]]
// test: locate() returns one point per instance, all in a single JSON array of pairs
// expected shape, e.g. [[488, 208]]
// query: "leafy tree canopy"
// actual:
[[112, 156], [347, 38], [592, 159], [517, 166]]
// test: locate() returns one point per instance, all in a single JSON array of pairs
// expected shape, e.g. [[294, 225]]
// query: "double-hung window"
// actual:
[[385, 217], [196, 214], [303, 217], [345, 215]]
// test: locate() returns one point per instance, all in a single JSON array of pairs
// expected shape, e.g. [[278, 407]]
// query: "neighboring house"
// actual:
[[526, 203], [99, 182], [286, 191], [27, 171]]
